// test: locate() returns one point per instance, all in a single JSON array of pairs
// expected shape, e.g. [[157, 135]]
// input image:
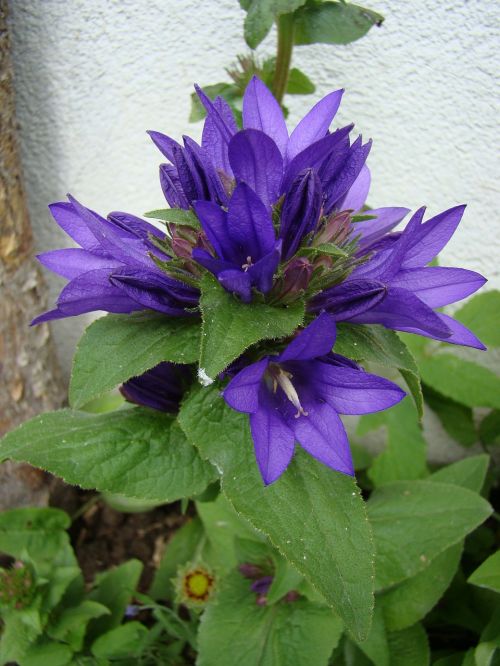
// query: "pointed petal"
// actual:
[[315, 340], [237, 282], [171, 187], [214, 222], [314, 155], [460, 334], [261, 111], [71, 262], [70, 221], [372, 230], [314, 125], [432, 237], [300, 211], [215, 142], [224, 122], [340, 182], [50, 315], [242, 392], [273, 440], [437, 286], [356, 196], [401, 309], [350, 391], [256, 161], [91, 292], [322, 434], [262, 272], [154, 291], [212, 264], [133, 225], [208, 183], [249, 224], [351, 298], [164, 143]]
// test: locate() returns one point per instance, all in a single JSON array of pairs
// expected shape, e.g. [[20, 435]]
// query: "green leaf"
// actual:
[[488, 574], [117, 347], [260, 17], [333, 23], [414, 521], [47, 653], [405, 452], [235, 630], [230, 327], [20, 629], [489, 430], [114, 589], [314, 516], [186, 218], [124, 641], [461, 380], [299, 83], [409, 647], [376, 647], [482, 315], [71, 625], [134, 452], [457, 419], [377, 344], [285, 579], [180, 549], [411, 600], [469, 473]]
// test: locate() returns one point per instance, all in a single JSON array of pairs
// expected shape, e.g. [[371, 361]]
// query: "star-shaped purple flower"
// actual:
[[396, 287], [112, 270], [243, 240], [298, 396]]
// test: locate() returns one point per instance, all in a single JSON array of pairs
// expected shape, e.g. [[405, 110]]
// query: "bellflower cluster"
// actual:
[[276, 217]]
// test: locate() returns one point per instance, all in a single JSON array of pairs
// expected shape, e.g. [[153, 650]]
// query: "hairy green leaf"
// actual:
[[134, 452], [333, 23], [117, 347], [186, 218], [230, 327]]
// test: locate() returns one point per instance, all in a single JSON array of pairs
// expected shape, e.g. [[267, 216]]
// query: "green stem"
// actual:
[[286, 29]]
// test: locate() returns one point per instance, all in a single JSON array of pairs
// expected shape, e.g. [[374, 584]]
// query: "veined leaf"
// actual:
[[333, 23]]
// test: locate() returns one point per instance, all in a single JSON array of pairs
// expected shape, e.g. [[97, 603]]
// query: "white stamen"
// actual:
[[283, 378], [246, 266]]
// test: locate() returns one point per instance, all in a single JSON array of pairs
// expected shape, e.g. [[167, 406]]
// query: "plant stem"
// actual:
[[286, 29]]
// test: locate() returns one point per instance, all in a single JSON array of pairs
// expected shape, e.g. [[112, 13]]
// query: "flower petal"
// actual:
[[70, 221], [256, 161], [358, 192], [315, 340], [212, 264], [350, 298], [322, 434], [372, 230], [300, 211], [171, 187], [242, 392], [249, 225], [262, 272], [401, 309], [351, 391], [237, 282], [437, 286], [164, 144], [72, 262], [214, 222], [344, 176], [261, 111], [314, 125], [274, 441], [92, 292], [214, 141], [432, 236], [460, 334]]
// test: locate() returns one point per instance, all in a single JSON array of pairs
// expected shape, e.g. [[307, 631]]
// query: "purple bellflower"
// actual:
[[160, 388], [298, 396], [244, 241], [112, 270], [397, 289]]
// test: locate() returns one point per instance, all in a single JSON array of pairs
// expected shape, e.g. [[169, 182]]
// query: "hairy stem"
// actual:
[[284, 56]]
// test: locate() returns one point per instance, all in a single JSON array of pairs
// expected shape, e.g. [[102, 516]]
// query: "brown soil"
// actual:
[[103, 538]]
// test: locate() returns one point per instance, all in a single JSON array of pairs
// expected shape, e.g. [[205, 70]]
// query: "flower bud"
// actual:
[[301, 211]]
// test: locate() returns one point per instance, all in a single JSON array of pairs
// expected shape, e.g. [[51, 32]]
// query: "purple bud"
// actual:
[[262, 585], [295, 279], [335, 230], [301, 211], [251, 571], [291, 596]]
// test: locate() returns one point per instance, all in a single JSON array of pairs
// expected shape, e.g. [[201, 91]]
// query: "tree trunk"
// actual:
[[31, 381]]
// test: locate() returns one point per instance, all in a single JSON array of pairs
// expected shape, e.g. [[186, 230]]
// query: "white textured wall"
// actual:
[[93, 75]]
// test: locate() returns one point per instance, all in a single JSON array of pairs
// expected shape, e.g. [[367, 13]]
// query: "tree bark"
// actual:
[[31, 381]]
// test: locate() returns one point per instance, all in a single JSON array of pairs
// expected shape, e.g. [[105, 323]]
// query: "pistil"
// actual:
[[282, 378]]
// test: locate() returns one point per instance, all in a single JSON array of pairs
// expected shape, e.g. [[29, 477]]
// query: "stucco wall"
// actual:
[[93, 75]]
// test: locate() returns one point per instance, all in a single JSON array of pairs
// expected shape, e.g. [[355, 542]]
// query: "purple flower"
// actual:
[[298, 395], [247, 252], [160, 388], [263, 154], [112, 270], [397, 289]]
